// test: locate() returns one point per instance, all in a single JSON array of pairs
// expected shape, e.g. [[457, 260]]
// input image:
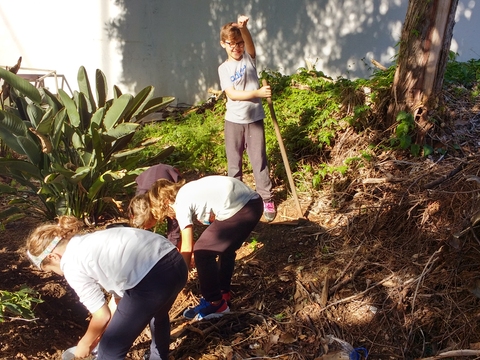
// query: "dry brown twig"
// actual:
[[445, 177], [359, 294], [428, 266], [454, 353], [357, 271], [350, 262], [378, 65]]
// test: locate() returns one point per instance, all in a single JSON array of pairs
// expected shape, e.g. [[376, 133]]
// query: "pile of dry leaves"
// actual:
[[385, 262]]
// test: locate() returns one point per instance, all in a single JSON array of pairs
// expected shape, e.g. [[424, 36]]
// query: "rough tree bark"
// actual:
[[422, 58]]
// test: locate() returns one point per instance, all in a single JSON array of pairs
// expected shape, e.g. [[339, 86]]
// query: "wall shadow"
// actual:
[[175, 45]]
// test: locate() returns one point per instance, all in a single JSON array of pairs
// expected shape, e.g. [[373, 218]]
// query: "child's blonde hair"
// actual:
[[229, 31], [42, 236], [163, 193], [139, 211]]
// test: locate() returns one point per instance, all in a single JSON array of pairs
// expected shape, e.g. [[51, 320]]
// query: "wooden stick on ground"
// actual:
[[446, 177], [454, 353]]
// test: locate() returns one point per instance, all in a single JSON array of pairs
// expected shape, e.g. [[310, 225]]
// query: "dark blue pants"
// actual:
[[223, 239], [147, 303]]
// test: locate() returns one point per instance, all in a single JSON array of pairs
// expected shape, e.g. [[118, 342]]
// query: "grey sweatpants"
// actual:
[[249, 137]]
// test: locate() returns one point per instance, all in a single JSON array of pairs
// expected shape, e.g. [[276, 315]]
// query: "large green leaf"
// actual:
[[80, 173], [78, 141], [98, 145], [115, 113], [162, 155], [22, 85], [127, 152], [97, 119], [69, 104], [31, 149], [96, 186], [52, 100], [139, 102], [84, 112], [116, 92], [89, 158], [13, 124], [53, 178], [16, 165], [35, 114], [6, 189], [101, 86], [102, 180], [119, 145], [87, 139], [85, 88], [61, 206], [120, 131], [67, 173], [11, 127], [6, 215], [19, 169], [154, 105], [58, 125], [45, 125], [21, 103]]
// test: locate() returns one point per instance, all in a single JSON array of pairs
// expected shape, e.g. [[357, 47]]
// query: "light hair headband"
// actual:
[[37, 260]]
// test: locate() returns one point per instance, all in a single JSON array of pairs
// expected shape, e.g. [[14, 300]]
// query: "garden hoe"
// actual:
[[284, 157]]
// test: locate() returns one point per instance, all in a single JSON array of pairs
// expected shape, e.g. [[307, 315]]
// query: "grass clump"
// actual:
[[197, 137], [314, 113]]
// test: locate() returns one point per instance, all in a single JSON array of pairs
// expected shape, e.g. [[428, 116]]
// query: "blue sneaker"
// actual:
[[206, 310]]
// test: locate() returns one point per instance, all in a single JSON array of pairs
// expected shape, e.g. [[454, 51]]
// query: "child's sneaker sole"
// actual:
[[212, 315]]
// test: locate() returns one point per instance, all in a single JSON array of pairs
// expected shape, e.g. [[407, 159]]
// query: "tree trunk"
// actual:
[[422, 58]]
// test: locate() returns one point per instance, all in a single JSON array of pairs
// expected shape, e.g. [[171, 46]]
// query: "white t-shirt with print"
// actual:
[[212, 197], [241, 75], [114, 259]]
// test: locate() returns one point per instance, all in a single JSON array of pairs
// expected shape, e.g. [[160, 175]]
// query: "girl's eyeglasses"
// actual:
[[234, 44]]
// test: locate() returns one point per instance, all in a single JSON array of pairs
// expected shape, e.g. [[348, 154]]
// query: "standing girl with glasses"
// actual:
[[244, 127]]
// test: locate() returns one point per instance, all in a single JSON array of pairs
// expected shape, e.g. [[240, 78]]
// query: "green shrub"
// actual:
[[312, 110], [197, 137], [18, 303], [71, 155]]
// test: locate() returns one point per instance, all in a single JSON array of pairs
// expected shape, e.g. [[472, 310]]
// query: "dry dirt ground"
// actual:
[[376, 263]]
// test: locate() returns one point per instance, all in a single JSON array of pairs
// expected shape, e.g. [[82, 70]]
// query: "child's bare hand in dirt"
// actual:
[[83, 351], [242, 21], [89, 357]]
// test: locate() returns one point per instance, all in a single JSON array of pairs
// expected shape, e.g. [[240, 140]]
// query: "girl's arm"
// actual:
[[96, 327], [187, 244], [241, 95], [246, 36]]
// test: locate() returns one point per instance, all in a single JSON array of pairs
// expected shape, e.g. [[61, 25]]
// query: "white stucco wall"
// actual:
[[174, 45]]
